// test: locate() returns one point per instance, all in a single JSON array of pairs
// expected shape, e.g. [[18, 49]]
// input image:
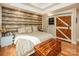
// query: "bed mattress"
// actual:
[[26, 42]]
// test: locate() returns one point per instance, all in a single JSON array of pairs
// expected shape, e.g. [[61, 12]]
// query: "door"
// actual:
[[63, 27]]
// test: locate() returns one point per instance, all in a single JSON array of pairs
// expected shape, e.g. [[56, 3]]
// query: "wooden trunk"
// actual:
[[49, 47]]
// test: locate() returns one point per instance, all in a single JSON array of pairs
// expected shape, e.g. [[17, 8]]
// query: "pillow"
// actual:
[[35, 28], [29, 29], [22, 30], [8, 33]]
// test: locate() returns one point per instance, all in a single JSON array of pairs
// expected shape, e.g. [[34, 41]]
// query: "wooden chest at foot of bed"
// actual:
[[49, 47]]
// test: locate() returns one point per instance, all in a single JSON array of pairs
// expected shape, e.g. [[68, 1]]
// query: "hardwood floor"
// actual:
[[68, 49], [8, 51]]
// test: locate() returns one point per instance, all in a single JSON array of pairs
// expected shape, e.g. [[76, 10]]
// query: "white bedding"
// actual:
[[29, 38], [26, 42]]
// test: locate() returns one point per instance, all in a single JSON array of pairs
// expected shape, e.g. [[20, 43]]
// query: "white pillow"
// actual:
[[29, 29], [35, 28], [22, 30]]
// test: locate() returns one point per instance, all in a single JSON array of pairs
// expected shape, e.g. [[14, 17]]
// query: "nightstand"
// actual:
[[6, 41]]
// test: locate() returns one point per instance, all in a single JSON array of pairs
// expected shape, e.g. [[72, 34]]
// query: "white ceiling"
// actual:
[[39, 8], [41, 5]]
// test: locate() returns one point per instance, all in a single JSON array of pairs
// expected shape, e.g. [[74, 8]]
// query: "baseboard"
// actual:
[[78, 40], [63, 39], [74, 43]]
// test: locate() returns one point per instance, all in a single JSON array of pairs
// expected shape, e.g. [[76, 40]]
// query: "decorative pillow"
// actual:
[[35, 28], [29, 29], [22, 30]]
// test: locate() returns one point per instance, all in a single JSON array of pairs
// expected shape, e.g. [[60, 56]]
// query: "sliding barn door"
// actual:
[[63, 27]]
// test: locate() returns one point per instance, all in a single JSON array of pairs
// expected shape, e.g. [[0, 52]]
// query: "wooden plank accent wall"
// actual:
[[13, 19]]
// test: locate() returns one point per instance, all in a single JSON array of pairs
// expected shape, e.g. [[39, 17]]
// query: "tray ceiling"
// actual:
[[41, 6]]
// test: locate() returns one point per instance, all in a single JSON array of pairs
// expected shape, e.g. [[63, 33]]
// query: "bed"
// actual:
[[25, 42]]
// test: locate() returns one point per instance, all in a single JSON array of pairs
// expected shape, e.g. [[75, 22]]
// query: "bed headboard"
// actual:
[[28, 29]]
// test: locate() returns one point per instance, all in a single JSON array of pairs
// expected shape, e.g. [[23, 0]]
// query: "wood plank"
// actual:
[[59, 23], [66, 19], [66, 32], [58, 34], [12, 18]]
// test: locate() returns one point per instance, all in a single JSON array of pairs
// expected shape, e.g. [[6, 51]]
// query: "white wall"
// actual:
[[77, 25], [46, 27], [0, 18], [44, 23], [51, 29], [0, 22]]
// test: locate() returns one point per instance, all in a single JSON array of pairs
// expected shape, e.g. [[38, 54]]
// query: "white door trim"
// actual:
[[63, 39], [62, 27]]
